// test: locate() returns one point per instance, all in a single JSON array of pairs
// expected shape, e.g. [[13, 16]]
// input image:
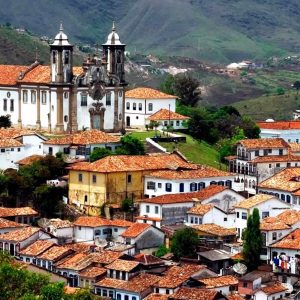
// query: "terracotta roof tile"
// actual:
[[123, 163], [4, 223], [10, 73], [148, 259], [147, 93], [8, 143], [200, 209], [213, 229], [123, 265], [12, 133], [154, 296], [264, 143], [177, 275], [254, 200], [29, 160], [291, 241], [78, 262], [235, 297], [214, 282], [275, 158], [201, 172], [20, 234], [98, 221], [137, 284], [194, 294], [165, 114], [92, 272], [18, 211], [273, 288], [87, 137], [55, 253], [286, 180], [280, 125], [41, 74], [37, 248], [105, 257], [295, 147], [79, 247], [135, 230]]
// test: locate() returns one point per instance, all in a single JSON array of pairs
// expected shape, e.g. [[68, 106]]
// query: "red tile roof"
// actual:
[[123, 265], [275, 158], [147, 93], [213, 229], [201, 172], [4, 223], [291, 241], [17, 211], [214, 282], [135, 230], [37, 248], [9, 74], [8, 143], [165, 114], [280, 125], [12, 133], [254, 200], [29, 160], [20, 234], [105, 257], [87, 137], [206, 193], [273, 288], [177, 275], [92, 272], [55, 253], [264, 143], [200, 209], [98, 221], [124, 163], [194, 294], [78, 262]]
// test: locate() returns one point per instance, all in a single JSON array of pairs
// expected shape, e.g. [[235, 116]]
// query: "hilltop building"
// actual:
[[63, 98]]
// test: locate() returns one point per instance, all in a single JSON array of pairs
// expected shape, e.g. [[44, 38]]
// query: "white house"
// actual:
[[268, 206], [287, 130], [165, 117], [24, 215], [272, 291], [17, 144], [184, 181], [259, 159], [142, 102], [89, 229], [81, 144], [284, 185], [7, 226]]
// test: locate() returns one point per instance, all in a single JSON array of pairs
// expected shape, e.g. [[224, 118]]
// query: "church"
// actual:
[[63, 98]]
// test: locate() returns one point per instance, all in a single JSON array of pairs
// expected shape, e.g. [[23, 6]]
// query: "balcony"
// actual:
[[245, 158]]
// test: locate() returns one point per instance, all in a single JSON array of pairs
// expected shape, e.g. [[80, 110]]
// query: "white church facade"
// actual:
[[64, 98]]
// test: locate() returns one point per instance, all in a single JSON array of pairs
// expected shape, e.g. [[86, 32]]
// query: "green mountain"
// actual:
[[218, 30]]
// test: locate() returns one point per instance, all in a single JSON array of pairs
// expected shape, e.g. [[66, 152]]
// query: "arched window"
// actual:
[[140, 106], [150, 106], [213, 182], [168, 187], [282, 197], [134, 106], [127, 105], [193, 187], [181, 187], [288, 198], [201, 185]]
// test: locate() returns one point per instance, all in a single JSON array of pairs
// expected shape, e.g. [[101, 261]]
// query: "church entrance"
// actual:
[[127, 121]]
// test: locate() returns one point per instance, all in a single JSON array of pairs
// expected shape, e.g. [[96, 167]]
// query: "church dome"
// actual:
[[61, 39], [113, 38]]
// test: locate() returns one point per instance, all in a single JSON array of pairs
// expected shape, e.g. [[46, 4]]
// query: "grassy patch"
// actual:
[[142, 135]]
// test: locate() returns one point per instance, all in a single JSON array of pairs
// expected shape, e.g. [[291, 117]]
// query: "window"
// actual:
[[126, 297], [264, 214], [192, 220], [66, 94], [193, 187], [168, 187], [256, 152], [280, 151], [177, 123], [104, 293], [80, 177], [25, 96], [159, 185], [156, 209], [54, 57], [66, 57], [129, 178], [167, 291], [115, 229], [11, 104], [140, 106], [66, 118], [288, 198], [108, 99], [274, 236], [165, 123], [33, 97], [201, 185], [133, 298], [196, 220], [288, 164], [134, 106], [118, 296], [85, 198], [5, 104], [19, 149], [147, 208], [181, 187], [282, 197], [297, 140], [83, 99], [244, 216], [151, 185], [110, 294], [44, 97], [225, 219], [97, 232], [94, 178], [277, 165], [237, 215], [127, 105], [172, 123], [244, 284], [150, 106], [266, 151], [50, 150], [270, 150]]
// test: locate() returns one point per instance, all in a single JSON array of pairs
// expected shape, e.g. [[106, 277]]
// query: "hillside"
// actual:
[[218, 31]]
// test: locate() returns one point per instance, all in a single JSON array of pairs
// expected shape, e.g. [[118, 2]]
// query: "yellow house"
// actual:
[[114, 178]]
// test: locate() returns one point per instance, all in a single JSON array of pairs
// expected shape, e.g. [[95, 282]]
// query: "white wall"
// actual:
[[13, 95]]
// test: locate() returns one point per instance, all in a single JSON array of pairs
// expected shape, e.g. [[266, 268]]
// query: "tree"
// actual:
[[161, 251], [296, 85], [184, 243], [280, 91], [252, 241], [168, 85], [131, 146], [126, 204], [5, 121], [186, 88], [99, 153]]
